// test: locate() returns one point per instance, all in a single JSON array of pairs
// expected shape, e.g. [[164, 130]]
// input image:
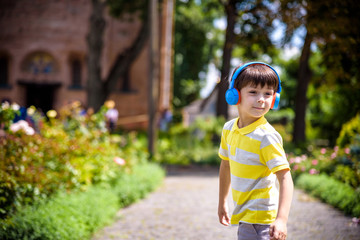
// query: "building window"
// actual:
[[76, 74], [39, 63], [4, 72]]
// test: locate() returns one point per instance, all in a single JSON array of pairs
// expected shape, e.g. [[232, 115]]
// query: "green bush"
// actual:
[[197, 143], [347, 175], [79, 214], [349, 131], [331, 191], [71, 152], [282, 116]]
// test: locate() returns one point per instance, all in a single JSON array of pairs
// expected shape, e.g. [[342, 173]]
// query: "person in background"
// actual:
[[111, 115]]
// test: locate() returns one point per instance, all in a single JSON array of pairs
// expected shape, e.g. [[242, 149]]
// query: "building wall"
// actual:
[[59, 29]]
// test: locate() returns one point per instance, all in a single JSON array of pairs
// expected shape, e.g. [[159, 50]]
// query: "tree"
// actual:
[[192, 49], [249, 23], [296, 14], [99, 89], [231, 16], [324, 22]]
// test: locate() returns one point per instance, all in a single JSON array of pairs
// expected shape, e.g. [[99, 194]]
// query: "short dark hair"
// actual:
[[256, 74]]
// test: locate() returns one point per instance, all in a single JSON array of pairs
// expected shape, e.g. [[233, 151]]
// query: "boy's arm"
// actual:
[[224, 187], [278, 229]]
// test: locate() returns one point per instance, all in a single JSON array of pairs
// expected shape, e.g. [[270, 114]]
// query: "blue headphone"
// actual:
[[232, 95]]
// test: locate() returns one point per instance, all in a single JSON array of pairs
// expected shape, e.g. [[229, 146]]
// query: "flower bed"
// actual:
[[79, 214], [71, 152]]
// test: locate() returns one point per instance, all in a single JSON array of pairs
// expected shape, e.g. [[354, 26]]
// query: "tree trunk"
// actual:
[[95, 90], [301, 90], [153, 88], [125, 59], [221, 105], [98, 90]]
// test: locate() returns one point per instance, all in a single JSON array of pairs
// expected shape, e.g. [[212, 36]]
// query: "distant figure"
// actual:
[[165, 119], [111, 115]]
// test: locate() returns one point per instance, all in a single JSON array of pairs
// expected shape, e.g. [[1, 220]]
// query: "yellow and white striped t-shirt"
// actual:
[[255, 153]]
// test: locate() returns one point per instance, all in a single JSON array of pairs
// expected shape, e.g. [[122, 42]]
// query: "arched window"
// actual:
[[39, 63], [76, 73], [4, 71]]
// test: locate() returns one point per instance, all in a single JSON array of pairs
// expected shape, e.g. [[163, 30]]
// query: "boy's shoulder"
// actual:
[[229, 124], [267, 133]]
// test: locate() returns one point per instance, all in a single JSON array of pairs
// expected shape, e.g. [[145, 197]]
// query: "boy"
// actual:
[[253, 158]]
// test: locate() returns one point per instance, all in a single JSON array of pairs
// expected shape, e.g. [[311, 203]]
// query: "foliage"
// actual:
[[65, 216], [7, 114], [193, 50], [341, 164], [197, 143], [331, 191], [282, 116], [349, 131], [72, 152]]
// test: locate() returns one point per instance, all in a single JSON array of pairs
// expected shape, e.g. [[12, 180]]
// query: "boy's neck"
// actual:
[[243, 122]]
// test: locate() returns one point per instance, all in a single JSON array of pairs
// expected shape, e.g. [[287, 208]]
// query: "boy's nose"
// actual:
[[261, 99]]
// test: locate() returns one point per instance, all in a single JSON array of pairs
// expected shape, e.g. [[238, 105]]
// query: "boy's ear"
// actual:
[[275, 101], [233, 96]]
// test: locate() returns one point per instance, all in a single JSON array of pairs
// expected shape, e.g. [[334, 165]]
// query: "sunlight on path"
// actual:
[[185, 207]]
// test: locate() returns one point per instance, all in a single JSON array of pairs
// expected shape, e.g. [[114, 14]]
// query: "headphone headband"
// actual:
[[240, 69]]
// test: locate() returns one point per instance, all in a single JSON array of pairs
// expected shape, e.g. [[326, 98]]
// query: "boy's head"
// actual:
[[253, 74], [256, 74]]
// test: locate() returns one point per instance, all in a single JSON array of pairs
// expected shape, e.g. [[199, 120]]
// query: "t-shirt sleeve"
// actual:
[[223, 149], [272, 152]]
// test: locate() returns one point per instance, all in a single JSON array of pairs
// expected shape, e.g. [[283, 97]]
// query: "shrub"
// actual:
[[348, 131], [7, 114], [79, 214], [69, 153], [332, 192], [197, 143]]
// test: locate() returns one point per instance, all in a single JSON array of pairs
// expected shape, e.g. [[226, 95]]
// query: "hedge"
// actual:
[[331, 191], [78, 215]]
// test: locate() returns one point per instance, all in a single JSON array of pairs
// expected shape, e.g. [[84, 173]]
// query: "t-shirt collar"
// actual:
[[249, 128]]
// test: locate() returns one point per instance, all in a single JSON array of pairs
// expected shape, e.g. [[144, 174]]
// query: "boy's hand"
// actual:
[[224, 215], [278, 230]]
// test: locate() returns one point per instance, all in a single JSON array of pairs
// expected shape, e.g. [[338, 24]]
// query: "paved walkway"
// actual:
[[185, 207]]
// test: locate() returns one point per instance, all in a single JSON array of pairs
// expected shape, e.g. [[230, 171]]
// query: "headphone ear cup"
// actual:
[[232, 96], [276, 101]]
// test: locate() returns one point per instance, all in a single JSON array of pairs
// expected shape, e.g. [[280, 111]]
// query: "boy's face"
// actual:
[[255, 101]]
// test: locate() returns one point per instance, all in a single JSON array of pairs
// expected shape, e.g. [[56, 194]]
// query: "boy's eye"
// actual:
[[252, 92]]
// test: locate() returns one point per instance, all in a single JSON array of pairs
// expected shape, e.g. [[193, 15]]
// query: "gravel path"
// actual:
[[185, 207]]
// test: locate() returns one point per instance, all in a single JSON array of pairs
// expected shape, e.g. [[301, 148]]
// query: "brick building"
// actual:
[[43, 53]]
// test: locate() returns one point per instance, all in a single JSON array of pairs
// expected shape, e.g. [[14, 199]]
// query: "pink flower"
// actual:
[[323, 151], [347, 150], [303, 169], [312, 171], [336, 149], [119, 161], [292, 160], [314, 162], [296, 167], [333, 155]]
